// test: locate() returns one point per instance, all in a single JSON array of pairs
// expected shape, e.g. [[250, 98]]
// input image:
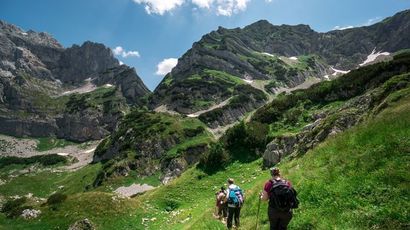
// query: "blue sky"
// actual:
[[149, 31]]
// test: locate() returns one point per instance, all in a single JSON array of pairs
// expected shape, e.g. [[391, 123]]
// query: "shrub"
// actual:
[[45, 160], [14, 208], [215, 159], [171, 205], [56, 198], [192, 132]]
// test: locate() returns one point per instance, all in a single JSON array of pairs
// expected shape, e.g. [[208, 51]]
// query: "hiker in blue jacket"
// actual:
[[235, 200]]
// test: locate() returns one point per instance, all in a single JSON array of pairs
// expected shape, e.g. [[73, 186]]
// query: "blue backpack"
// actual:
[[235, 197]]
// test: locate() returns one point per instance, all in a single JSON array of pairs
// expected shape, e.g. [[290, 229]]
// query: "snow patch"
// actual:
[[90, 150], [108, 86], [24, 33], [268, 54], [88, 87], [339, 71], [192, 115], [372, 57], [62, 154], [248, 81], [326, 77], [293, 58]]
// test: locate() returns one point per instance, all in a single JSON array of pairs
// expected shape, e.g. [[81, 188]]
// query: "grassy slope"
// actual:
[[356, 180], [360, 173]]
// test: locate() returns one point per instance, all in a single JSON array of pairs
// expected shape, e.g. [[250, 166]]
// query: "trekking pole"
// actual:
[[257, 215]]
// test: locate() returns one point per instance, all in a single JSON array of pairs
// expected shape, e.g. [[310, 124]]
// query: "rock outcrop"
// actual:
[[84, 224]]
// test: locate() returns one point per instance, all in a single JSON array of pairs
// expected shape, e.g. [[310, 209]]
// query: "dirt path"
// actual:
[[309, 82], [164, 109], [222, 104]]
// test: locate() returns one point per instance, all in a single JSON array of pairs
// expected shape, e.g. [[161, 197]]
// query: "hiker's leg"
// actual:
[[237, 214], [225, 211], [285, 218], [230, 216], [273, 219]]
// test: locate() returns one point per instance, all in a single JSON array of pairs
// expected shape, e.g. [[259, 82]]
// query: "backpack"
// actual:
[[282, 197], [220, 197], [235, 197]]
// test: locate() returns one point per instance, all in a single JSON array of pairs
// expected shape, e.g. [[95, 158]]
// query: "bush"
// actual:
[[56, 198], [14, 208], [251, 136], [171, 205], [192, 132], [217, 158], [45, 160]]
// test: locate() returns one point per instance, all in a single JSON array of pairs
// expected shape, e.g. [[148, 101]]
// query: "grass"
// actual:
[[224, 76], [360, 173], [48, 143], [356, 180], [43, 183], [202, 139]]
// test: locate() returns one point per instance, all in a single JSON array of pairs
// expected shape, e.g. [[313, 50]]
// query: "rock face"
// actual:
[[78, 63], [128, 82], [37, 76], [285, 55]]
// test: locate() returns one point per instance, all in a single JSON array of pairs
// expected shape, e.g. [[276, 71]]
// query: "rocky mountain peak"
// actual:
[[28, 38], [79, 62]]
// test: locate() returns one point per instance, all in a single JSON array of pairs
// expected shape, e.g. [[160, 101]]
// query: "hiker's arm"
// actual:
[[264, 196]]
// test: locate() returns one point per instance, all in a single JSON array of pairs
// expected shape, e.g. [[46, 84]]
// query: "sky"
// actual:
[[151, 35]]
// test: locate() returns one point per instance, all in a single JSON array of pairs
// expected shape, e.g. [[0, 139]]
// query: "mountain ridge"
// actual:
[[38, 76]]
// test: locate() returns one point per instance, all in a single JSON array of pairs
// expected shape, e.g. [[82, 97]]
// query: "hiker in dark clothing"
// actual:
[[282, 199], [235, 200], [221, 204]]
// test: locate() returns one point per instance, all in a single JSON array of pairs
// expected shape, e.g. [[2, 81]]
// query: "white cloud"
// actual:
[[203, 3], [119, 51], [166, 65], [220, 7], [223, 7], [369, 22], [159, 6]]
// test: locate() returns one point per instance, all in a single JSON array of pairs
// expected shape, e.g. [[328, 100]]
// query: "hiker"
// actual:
[[235, 200], [282, 199], [221, 204]]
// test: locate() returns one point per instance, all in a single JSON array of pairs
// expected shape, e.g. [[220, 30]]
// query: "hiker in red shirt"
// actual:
[[221, 205], [282, 199]]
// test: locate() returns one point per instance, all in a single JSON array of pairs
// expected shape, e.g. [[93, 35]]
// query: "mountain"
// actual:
[[77, 93], [263, 59], [359, 170]]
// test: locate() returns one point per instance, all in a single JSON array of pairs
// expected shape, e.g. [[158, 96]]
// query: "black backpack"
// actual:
[[282, 197]]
